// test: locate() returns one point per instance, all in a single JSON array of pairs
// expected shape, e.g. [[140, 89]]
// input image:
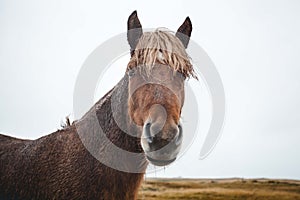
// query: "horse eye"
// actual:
[[182, 76], [130, 73]]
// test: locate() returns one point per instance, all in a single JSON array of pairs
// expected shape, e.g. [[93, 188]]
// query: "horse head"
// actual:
[[157, 71]]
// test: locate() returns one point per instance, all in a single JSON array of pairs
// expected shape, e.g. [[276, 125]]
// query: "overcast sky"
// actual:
[[254, 44]]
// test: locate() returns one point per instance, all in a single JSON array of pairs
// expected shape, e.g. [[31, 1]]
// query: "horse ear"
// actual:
[[184, 32], [134, 30]]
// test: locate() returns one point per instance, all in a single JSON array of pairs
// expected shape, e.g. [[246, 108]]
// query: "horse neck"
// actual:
[[111, 113]]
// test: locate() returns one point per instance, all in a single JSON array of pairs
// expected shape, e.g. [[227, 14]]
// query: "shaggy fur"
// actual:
[[58, 166], [161, 47]]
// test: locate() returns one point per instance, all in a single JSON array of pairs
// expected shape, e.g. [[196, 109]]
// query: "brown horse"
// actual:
[[151, 96]]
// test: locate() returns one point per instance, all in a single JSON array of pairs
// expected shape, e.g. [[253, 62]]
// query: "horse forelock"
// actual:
[[162, 47]]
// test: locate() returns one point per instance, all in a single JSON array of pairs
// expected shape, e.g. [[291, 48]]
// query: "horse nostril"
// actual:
[[179, 137], [148, 133]]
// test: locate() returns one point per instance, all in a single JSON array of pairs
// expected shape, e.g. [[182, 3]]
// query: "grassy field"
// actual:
[[220, 189]]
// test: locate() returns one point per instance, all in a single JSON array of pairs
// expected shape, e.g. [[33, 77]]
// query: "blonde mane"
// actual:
[[162, 47]]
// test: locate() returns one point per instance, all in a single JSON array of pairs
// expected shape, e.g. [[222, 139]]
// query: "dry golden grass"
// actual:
[[219, 189]]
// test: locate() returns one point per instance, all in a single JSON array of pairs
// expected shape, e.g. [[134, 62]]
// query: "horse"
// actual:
[[150, 95]]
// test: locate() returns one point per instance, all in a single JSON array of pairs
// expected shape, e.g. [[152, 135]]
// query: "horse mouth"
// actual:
[[160, 162]]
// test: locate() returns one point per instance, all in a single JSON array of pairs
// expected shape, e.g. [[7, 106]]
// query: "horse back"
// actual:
[[9, 145]]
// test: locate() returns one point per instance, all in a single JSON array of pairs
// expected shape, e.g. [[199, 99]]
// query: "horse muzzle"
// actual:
[[161, 144]]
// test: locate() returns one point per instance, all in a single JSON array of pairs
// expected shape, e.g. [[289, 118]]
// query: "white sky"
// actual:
[[254, 44]]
